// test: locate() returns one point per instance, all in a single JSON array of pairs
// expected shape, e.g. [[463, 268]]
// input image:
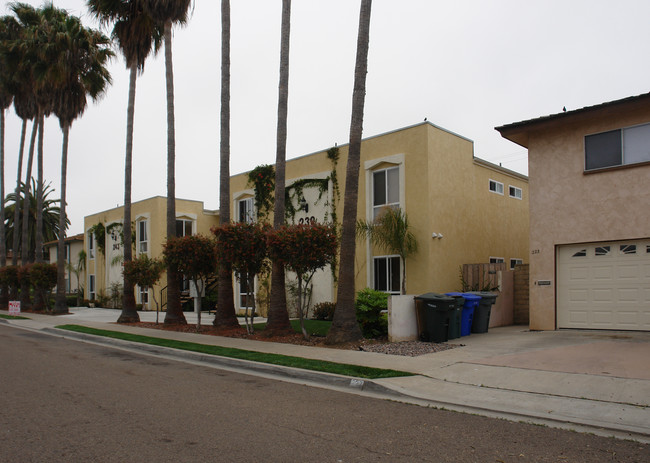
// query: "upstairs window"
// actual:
[[497, 260], [619, 147], [496, 187], [91, 245], [514, 262], [246, 212], [183, 227], [514, 192], [143, 240], [385, 189]]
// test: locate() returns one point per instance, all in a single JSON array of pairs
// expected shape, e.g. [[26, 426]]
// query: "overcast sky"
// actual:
[[467, 66]]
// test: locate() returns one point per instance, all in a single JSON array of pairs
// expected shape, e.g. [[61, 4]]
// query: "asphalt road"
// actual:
[[67, 401]]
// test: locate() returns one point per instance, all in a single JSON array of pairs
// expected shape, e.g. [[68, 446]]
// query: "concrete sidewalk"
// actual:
[[595, 381]]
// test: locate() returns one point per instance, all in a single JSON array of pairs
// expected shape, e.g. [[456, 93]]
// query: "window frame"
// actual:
[[376, 208], [516, 190], [622, 148], [92, 288], [91, 245], [496, 260], [497, 184], [184, 225], [250, 209], [514, 261], [390, 272], [145, 241]]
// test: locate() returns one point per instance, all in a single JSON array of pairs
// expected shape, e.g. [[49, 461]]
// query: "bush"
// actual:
[[324, 311], [71, 301], [369, 305]]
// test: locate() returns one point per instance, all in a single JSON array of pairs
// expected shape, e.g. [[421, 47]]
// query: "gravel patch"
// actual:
[[409, 348]]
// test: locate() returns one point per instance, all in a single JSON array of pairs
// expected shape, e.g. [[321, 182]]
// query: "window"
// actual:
[[91, 287], [628, 248], [144, 295], [496, 187], [243, 294], [66, 254], [514, 192], [385, 189], [497, 260], [387, 274], [91, 245], [581, 253], [183, 227], [246, 213], [617, 147], [602, 250], [515, 262], [142, 237]]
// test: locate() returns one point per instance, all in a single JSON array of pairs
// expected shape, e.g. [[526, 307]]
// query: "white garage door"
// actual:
[[604, 286]]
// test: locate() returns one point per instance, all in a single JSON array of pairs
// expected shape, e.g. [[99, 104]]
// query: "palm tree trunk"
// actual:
[[3, 243], [60, 305], [174, 315], [344, 325], [25, 302], [129, 313], [225, 316], [38, 242], [278, 321], [16, 237]]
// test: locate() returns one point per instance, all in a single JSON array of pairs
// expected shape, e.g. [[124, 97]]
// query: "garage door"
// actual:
[[604, 286]]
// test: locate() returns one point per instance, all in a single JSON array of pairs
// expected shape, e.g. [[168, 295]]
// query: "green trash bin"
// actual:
[[482, 313], [434, 311], [455, 318]]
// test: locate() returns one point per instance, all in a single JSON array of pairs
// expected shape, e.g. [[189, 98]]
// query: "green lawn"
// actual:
[[13, 317], [275, 359]]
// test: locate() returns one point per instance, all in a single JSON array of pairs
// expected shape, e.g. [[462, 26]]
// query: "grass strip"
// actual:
[[242, 354], [313, 327], [12, 317]]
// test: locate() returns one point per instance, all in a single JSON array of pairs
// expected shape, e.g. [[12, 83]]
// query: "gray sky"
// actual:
[[467, 66]]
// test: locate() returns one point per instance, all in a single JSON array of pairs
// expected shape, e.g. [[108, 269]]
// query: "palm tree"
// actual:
[[168, 13], [278, 321], [77, 269], [51, 212], [391, 232], [80, 72], [225, 316], [137, 35], [344, 325]]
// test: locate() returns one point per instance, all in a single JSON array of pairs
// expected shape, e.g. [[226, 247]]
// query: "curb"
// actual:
[[243, 366]]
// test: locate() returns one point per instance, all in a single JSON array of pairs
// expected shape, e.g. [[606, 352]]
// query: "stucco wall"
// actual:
[[569, 206]]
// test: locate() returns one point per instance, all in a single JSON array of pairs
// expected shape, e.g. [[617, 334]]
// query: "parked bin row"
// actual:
[[451, 315]]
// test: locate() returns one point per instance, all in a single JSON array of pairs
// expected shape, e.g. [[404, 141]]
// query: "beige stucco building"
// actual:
[[149, 219], [73, 246], [462, 209], [589, 229]]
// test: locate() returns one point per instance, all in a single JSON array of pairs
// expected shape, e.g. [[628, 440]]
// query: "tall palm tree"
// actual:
[[225, 316], [278, 321], [391, 232], [344, 325], [80, 72], [137, 35], [168, 13]]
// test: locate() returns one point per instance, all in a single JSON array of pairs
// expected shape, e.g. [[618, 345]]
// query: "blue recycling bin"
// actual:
[[471, 303]]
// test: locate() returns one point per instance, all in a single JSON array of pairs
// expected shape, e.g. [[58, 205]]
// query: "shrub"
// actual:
[[324, 311], [71, 301], [369, 305]]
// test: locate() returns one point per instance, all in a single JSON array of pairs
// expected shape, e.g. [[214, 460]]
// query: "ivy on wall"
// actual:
[[262, 179]]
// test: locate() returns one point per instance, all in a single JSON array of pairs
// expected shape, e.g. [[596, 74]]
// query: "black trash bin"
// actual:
[[481, 320], [455, 317], [433, 314]]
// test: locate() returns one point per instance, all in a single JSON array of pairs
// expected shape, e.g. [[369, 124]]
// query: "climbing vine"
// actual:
[[262, 179], [333, 156], [294, 192], [99, 232]]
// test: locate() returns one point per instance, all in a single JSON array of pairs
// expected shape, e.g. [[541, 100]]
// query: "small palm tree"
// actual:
[[390, 231], [78, 269]]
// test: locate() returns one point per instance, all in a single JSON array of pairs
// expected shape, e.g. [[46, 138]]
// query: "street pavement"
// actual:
[[588, 381]]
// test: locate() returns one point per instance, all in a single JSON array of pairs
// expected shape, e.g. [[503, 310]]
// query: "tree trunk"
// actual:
[[16, 237], [60, 305], [25, 302], [344, 325], [225, 316], [38, 241], [3, 242], [129, 313], [174, 315], [278, 320]]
